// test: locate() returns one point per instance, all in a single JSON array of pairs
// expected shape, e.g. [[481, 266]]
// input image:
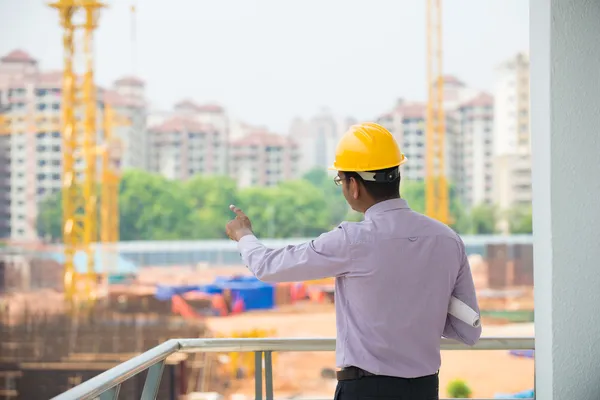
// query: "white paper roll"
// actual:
[[463, 312]]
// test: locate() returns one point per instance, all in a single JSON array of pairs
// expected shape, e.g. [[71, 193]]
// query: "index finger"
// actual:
[[237, 211]]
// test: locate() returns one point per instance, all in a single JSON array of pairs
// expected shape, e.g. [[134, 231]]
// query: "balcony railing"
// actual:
[[106, 385]]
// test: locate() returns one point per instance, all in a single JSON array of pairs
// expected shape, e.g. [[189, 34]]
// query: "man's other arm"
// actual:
[[464, 290], [327, 256]]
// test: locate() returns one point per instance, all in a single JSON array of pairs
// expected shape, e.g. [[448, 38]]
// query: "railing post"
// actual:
[[111, 394], [269, 375], [258, 375], [152, 383]]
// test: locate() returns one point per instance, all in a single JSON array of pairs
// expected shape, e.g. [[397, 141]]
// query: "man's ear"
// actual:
[[354, 187]]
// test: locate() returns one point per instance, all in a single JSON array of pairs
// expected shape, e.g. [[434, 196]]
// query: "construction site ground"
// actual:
[[299, 374]]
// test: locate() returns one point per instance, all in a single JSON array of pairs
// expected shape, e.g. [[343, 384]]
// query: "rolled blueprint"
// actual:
[[463, 312]]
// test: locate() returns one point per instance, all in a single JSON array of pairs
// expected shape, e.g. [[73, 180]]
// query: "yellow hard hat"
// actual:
[[367, 147]]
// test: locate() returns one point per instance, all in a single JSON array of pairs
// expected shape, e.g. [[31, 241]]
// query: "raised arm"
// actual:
[[327, 256]]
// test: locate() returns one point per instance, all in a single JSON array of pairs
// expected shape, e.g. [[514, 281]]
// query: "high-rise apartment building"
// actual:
[[456, 93], [128, 100], [512, 145], [317, 140], [4, 186], [207, 129], [31, 141], [474, 150], [263, 159], [181, 147], [406, 122]]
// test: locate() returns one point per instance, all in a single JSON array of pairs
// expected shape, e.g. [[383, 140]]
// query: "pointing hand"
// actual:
[[238, 227]]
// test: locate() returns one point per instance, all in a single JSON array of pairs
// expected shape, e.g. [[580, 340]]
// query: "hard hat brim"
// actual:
[[334, 168]]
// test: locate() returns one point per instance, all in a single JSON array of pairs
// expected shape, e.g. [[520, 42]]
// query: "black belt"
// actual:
[[351, 373]]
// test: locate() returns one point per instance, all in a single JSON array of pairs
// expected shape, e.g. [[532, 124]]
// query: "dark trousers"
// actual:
[[389, 388]]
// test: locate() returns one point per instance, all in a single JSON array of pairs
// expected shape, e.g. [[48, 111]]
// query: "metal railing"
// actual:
[[106, 385]]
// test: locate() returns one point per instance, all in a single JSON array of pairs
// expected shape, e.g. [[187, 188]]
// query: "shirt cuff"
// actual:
[[246, 240], [245, 245]]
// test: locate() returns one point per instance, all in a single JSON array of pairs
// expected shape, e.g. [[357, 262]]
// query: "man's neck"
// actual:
[[374, 202]]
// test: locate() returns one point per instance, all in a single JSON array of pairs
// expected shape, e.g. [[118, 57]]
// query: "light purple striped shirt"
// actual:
[[395, 273]]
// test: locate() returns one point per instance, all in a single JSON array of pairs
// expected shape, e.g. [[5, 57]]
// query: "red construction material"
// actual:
[[181, 307]]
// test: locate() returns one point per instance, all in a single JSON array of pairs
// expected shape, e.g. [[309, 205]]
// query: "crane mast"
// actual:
[[79, 131], [110, 181], [436, 183]]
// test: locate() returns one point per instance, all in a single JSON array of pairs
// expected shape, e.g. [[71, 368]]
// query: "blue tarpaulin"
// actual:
[[526, 394], [256, 295], [167, 292], [164, 292], [522, 353]]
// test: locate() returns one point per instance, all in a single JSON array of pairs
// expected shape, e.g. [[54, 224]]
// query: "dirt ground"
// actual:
[[486, 372]]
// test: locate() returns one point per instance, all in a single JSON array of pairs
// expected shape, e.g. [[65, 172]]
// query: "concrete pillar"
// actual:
[[565, 123]]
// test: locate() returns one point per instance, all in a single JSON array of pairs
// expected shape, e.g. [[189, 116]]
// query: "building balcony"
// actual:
[[107, 384]]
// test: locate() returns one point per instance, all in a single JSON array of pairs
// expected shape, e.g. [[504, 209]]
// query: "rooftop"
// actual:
[[483, 99], [130, 81], [181, 124], [201, 108], [451, 79], [263, 138], [18, 55], [412, 110], [116, 99]]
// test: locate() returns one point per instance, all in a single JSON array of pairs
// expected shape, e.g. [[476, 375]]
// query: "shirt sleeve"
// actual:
[[464, 290], [324, 257]]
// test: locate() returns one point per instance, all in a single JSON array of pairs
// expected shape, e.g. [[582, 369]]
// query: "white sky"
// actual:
[[268, 61]]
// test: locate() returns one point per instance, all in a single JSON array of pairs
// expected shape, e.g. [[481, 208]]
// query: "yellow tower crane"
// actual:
[[79, 144], [110, 152], [436, 183]]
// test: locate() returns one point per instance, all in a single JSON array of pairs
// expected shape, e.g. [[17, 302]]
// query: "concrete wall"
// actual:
[[565, 123]]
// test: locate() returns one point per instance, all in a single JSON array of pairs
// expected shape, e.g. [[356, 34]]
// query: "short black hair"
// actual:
[[379, 191]]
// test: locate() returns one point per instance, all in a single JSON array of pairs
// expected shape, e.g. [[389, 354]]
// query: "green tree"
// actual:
[[49, 219], [337, 208], [458, 389], [152, 207], [210, 198], [483, 219], [291, 209], [414, 194], [520, 220]]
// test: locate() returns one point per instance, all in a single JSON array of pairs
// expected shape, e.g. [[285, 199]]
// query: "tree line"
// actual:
[[152, 207]]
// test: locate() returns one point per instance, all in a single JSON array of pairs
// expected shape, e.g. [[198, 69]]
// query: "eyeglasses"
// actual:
[[337, 180]]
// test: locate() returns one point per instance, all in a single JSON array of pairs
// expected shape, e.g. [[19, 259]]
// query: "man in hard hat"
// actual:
[[395, 274]]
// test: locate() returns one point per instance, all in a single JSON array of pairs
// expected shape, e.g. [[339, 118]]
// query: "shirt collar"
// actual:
[[384, 206]]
